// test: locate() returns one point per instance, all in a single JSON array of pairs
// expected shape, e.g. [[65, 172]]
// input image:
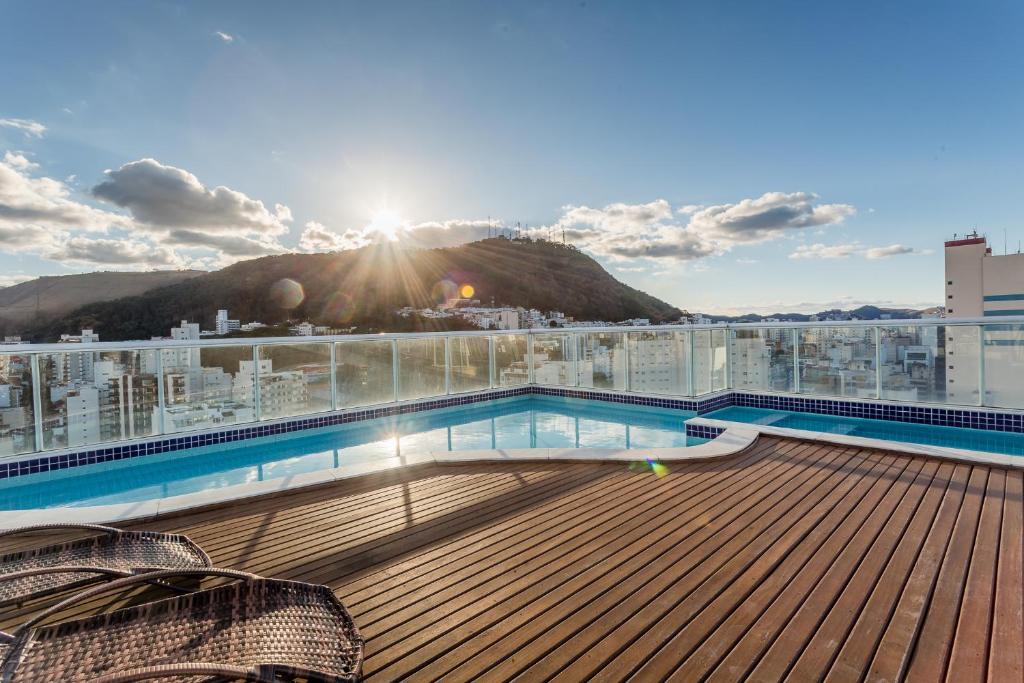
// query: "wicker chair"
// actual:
[[252, 629], [73, 564]]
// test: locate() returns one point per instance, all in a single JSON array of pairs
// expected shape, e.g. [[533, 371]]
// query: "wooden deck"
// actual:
[[792, 561]]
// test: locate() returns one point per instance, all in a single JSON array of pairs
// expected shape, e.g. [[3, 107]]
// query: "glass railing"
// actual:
[[59, 396]]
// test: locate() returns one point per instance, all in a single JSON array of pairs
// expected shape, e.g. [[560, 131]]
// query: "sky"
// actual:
[[724, 156]]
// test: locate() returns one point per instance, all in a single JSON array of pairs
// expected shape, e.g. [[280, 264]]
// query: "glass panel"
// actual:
[[659, 362], [365, 372], [294, 379], [1004, 365], [553, 355], [701, 362], [202, 387], [470, 359], [420, 367], [17, 416], [762, 359], [718, 361], [96, 396], [913, 363], [838, 361], [510, 363], [602, 360]]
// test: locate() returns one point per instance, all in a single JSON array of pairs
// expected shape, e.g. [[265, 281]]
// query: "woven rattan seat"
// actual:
[[72, 564], [252, 628]]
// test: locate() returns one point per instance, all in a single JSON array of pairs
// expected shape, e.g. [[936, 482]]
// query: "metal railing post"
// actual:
[[627, 383], [394, 369], [982, 398], [447, 366], [727, 335], [256, 403], [161, 399], [37, 400], [878, 362], [530, 374], [795, 341], [490, 361], [334, 377], [692, 363], [577, 341]]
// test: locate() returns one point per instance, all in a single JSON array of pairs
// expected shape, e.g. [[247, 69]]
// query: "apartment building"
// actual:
[[980, 283]]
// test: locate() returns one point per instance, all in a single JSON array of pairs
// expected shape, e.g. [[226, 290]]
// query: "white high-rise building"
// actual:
[[980, 283], [223, 324]]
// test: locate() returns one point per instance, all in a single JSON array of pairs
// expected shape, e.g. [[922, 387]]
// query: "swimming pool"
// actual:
[[1008, 443], [522, 422]]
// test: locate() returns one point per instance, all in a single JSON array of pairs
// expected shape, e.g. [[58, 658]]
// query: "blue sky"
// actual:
[[723, 156]]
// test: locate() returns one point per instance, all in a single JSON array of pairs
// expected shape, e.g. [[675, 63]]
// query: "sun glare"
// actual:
[[387, 222]]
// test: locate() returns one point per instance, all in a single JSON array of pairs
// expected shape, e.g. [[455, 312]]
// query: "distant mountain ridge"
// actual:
[[364, 287], [49, 296], [861, 313]]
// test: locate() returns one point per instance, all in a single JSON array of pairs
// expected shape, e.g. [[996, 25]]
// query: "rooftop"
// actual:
[[792, 559]]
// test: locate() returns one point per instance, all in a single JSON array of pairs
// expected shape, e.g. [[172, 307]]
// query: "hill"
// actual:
[[364, 287], [861, 313], [50, 296]]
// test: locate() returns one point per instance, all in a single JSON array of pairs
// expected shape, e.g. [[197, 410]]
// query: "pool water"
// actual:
[[522, 422], [951, 437]]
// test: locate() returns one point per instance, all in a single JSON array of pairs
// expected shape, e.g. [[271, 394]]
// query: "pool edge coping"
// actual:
[[733, 440], [940, 452]]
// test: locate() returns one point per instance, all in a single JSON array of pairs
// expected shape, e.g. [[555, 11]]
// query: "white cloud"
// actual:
[[177, 209], [169, 197], [175, 221], [28, 127], [317, 237], [19, 161], [767, 217], [113, 252], [429, 234], [29, 205], [652, 230], [889, 251], [11, 279], [225, 37], [822, 251]]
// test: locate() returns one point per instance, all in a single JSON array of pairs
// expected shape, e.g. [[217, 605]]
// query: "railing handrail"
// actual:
[[22, 349]]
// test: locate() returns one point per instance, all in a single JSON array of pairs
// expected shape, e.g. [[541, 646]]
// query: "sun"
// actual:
[[387, 222]]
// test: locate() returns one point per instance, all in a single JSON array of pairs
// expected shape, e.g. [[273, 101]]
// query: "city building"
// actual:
[[980, 283], [225, 325]]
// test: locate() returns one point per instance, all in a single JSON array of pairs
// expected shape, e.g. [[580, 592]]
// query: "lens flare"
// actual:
[[467, 291], [443, 291], [286, 293], [340, 308], [649, 465]]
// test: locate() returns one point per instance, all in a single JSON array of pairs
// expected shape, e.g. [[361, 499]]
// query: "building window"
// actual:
[[949, 282], [949, 296]]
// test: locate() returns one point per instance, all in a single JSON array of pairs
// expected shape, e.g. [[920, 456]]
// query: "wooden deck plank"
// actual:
[[929, 663], [544, 607], [705, 608], [794, 558], [781, 592], [969, 655], [571, 662], [1006, 652], [906, 535], [545, 579]]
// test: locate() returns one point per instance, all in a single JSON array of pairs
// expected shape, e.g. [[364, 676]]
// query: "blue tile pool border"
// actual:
[[947, 417], [703, 431], [914, 414]]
